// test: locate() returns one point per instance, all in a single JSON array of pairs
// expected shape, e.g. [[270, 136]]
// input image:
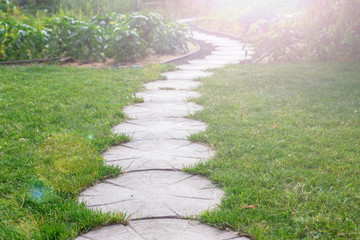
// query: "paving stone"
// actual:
[[197, 66], [186, 75], [157, 154], [150, 110], [161, 229], [228, 53], [152, 188], [153, 194], [218, 62], [227, 58], [156, 129], [173, 84], [226, 44], [232, 48], [167, 95]]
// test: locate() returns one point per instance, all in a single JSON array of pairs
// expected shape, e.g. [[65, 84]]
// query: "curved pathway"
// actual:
[[153, 190]]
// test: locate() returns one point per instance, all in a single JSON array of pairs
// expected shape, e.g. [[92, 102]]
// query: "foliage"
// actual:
[[123, 37], [288, 149], [6, 6], [77, 39], [20, 41], [325, 30], [79, 7]]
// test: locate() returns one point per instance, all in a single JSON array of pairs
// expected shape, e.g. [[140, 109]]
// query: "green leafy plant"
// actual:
[[119, 36], [78, 39], [20, 41], [125, 44]]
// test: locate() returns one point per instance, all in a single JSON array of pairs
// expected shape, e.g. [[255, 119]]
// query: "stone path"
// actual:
[[153, 190]]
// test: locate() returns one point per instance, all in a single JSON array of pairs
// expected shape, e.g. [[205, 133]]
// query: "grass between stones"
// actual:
[[288, 149], [54, 124]]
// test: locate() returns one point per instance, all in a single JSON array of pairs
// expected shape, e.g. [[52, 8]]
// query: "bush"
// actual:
[[77, 39], [20, 41], [123, 37], [324, 31]]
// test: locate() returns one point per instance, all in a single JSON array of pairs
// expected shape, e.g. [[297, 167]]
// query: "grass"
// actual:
[[288, 149], [54, 124]]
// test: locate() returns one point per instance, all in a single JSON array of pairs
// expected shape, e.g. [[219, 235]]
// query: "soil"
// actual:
[[152, 58], [205, 50]]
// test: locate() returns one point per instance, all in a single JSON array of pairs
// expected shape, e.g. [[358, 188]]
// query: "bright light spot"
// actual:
[[38, 192]]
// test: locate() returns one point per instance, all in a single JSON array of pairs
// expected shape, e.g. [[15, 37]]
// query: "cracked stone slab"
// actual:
[[155, 129], [157, 154], [173, 84], [149, 110], [162, 229], [167, 95], [154, 194], [185, 74]]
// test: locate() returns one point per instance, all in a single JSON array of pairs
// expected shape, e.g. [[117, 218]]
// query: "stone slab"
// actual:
[[156, 129], [154, 194], [161, 229], [228, 53], [157, 154], [218, 62], [173, 84], [229, 58], [150, 110], [197, 66], [185, 74], [167, 95], [229, 48]]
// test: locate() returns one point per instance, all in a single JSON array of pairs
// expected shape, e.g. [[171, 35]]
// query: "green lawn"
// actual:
[[54, 123], [288, 149]]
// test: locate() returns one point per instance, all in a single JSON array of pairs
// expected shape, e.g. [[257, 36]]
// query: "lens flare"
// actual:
[[38, 192]]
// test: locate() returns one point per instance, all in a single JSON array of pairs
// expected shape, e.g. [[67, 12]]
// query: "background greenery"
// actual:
[[122, 36]]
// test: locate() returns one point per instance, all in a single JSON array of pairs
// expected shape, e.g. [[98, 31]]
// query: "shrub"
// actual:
[[123, 37], [20, 41], [78, 39], [324, 31]]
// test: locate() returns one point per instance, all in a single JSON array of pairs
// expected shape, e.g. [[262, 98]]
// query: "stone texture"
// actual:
[[153, 188], [229, 48], [167, 95], [230, 58], [171, 84], [150, 110], [228, 53], [196, 66], [156, 129], [153, 194], [161, 229], [185, 75], [157, 154], [218, 62]]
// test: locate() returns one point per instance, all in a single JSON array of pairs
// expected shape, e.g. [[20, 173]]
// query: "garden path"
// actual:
[[153, 190]]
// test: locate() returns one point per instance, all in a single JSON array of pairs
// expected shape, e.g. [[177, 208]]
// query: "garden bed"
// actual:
[[152, 58]]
